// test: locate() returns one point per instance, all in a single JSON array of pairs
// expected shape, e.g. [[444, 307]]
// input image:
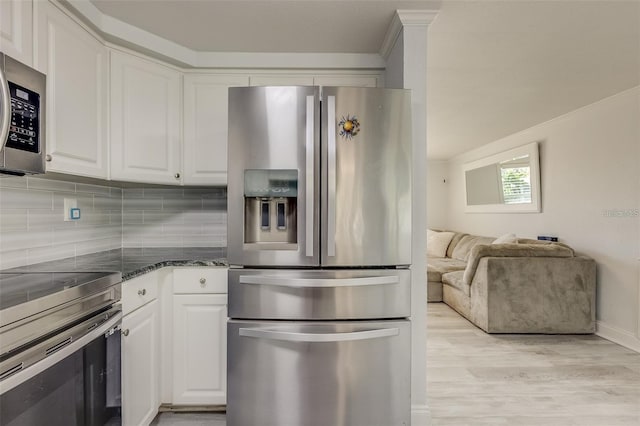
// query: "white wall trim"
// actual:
[[420, 415], [401, 19], [618, 335], [116, 31]]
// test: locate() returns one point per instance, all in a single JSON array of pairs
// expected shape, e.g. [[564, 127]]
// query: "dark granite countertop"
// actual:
[[133, 262]]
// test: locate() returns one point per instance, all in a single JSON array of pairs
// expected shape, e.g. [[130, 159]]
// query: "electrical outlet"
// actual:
[[69, 205]]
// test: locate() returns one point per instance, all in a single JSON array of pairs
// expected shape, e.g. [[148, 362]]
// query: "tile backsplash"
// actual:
[[174, 217], [32, 229]]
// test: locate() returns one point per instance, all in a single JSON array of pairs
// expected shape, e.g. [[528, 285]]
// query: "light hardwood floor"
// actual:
[[474, 378]]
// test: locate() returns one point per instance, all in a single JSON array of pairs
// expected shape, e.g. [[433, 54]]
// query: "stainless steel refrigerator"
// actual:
[[319, 243]]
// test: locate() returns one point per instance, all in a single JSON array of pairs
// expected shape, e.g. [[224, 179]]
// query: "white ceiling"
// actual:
[[494, 67]]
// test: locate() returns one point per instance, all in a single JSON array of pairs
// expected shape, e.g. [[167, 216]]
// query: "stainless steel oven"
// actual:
[[22, 118], [60, 340]]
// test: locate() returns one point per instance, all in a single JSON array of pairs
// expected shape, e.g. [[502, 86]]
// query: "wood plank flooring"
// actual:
[[474, 378]]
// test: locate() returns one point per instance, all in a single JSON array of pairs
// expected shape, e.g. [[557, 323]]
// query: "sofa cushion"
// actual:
[[454, 242], [455, 280], [437, 243], [436, 266], [466, 243]]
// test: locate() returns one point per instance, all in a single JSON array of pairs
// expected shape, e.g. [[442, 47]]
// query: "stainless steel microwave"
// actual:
[[22, 118]]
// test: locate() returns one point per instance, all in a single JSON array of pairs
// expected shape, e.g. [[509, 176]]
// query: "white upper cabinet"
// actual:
[[346, 80], [16, 30], [205, 127], [146, 112], [77, 79]]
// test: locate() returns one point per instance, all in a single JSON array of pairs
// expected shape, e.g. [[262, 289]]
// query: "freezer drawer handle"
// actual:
[[316, 282], [271, 334]]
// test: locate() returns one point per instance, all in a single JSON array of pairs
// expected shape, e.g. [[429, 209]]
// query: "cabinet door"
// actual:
[[16, 30], [199, 349], [145, 120], [205, 127], [140, 365], [76, 66]]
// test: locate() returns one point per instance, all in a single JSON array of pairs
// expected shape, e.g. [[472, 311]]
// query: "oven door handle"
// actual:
[[5, 105], [287, 336], [55, 356]]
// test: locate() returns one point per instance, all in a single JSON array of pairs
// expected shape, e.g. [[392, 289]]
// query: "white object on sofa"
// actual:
[[437, 243], [506, 239]]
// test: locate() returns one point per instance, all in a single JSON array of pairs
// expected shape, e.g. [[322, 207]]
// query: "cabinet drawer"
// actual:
[[199, 280], [139, 291]]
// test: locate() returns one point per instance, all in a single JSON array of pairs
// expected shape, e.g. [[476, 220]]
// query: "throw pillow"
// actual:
[[437, 243], [506, 239]]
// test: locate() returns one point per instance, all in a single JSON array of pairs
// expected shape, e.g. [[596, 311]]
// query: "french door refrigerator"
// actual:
[[319, 244]]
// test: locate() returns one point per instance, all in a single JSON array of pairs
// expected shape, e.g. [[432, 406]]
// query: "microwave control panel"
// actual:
[[24, 129]]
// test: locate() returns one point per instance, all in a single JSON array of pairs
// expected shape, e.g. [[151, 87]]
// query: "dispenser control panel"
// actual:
[[270, 215]]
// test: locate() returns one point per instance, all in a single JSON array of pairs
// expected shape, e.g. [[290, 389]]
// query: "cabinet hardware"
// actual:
[[125, 332], [142, 292]]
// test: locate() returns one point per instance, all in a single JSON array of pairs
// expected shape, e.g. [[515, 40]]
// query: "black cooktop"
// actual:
[[18, 288]]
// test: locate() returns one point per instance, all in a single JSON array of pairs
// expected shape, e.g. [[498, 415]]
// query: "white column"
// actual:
[[405, 49]]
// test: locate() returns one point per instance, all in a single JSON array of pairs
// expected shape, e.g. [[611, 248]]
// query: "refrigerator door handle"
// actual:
[[309, 176], [287, 336], [331, 176], [317, 282]]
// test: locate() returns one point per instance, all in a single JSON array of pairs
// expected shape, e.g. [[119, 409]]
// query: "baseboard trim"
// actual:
[[618, 335], [420, 415]]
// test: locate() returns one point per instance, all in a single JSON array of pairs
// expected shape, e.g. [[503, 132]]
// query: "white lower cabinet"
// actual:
[[140, 365], [199, 349]]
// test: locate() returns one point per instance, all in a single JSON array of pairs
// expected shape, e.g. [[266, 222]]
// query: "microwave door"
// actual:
[[274, 176], [366, 177]]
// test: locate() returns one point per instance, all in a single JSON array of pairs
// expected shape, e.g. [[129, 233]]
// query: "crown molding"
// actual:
[[404, 18], [126, 35]]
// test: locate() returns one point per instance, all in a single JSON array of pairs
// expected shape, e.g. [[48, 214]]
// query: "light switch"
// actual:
[[74, 213]]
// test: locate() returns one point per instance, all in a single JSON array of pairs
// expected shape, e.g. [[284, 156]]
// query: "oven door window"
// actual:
[[81, 389]]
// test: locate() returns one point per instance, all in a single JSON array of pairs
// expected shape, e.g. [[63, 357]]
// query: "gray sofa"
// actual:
[[526, 287]]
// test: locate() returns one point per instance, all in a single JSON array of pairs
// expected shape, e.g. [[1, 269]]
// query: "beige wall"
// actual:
[[590, 173]]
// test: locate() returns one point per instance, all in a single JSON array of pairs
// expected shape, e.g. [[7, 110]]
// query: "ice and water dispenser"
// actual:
[[270, 213]]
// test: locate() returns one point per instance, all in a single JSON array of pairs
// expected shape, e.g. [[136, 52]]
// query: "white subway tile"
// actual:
[[11, 198], [13, 258], [13, 220], [50, 185], [7, 181]]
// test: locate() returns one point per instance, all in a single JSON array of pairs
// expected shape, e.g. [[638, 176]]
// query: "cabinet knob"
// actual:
[[125, 332], [177, 175], [48, 157], [203, 281], [142, 292]]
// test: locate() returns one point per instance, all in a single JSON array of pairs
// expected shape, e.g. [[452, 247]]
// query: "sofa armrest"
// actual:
[[534, 295], [512, 250]]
